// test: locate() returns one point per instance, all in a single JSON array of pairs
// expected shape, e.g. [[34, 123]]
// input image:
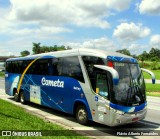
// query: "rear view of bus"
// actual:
[[126, 92]]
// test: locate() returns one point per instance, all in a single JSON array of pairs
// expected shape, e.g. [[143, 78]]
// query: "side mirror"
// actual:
[[151, 73], [113, 72]]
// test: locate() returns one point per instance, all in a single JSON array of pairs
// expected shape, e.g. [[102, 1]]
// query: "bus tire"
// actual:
[[82, 115], [16, 96], [22, 98]]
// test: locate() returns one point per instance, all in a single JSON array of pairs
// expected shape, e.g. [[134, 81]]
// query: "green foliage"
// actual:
[[37, 49], [154, 65], [145, 64], [25, 53], [155, 58], [2, 74], [124, 51], [152, 87], [153, 55], [16, 118], [147, 60]]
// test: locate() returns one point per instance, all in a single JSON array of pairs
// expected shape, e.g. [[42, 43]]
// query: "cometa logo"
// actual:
[[53, 83]]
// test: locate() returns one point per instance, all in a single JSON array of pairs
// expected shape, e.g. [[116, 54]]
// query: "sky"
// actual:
[[102, 24]]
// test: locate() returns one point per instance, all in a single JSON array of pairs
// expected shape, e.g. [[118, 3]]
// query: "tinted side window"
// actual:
[[40, 67], [67, 66], [72, 68], [8, 66], [13, 66], [90, 61]]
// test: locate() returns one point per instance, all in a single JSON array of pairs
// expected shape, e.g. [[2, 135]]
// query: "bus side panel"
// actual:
[[11, 82], [57, 92]]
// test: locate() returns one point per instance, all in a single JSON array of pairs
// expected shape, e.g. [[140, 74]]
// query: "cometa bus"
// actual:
[[94, 85]]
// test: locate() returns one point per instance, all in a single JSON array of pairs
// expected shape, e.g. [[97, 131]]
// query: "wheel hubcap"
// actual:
[[82, 115], [16, 95]]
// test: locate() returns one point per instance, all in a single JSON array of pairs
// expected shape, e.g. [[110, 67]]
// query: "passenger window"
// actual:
[[68, 66], [89, 62], [40, 67]]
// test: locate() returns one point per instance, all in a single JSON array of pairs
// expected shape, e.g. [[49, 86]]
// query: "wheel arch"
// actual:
[[81, 102], [14, 91]]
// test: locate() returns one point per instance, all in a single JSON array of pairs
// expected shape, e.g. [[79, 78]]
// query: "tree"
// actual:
[[144, 56], [154, 52], [124, 51], [36, 48], [25, 53]]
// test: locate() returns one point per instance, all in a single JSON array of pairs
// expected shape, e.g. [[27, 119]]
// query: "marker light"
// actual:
[[110, 64]]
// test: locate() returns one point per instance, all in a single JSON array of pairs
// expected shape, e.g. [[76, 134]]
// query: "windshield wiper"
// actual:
[[129, 95], [140, 93]]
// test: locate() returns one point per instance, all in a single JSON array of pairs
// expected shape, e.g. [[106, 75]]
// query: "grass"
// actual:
[[2, 74], [14, 118], [156, 72], [152, 87]]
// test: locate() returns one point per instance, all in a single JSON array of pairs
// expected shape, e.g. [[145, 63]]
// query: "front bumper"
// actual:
[[126, 118]]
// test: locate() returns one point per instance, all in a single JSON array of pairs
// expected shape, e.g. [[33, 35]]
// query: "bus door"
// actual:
[[102, 96], [104, 80]]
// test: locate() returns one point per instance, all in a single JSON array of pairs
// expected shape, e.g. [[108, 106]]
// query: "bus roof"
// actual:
[[75, 52]]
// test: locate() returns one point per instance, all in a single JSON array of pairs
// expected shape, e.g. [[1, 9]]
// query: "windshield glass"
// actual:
[[131, 89]]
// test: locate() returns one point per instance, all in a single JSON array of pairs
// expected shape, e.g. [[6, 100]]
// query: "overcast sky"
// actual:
[[103, 24]]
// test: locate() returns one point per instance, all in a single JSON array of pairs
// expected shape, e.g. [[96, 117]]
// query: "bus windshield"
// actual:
[[131, 88]]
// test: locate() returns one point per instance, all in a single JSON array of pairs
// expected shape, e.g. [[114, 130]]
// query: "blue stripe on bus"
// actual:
[[128, 109], [60, 98], [121, 59]]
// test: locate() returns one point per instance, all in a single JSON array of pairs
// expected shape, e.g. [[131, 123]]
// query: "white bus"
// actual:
[[94, 85]]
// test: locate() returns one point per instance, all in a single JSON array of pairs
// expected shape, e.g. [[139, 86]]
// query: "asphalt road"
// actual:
[[150, 124]]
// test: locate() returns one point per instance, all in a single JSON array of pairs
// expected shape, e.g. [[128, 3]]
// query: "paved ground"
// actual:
[[150, 81]]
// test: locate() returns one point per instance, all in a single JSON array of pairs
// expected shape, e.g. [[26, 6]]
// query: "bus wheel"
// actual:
[[82, 115], [16, 96], [22, 99]]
